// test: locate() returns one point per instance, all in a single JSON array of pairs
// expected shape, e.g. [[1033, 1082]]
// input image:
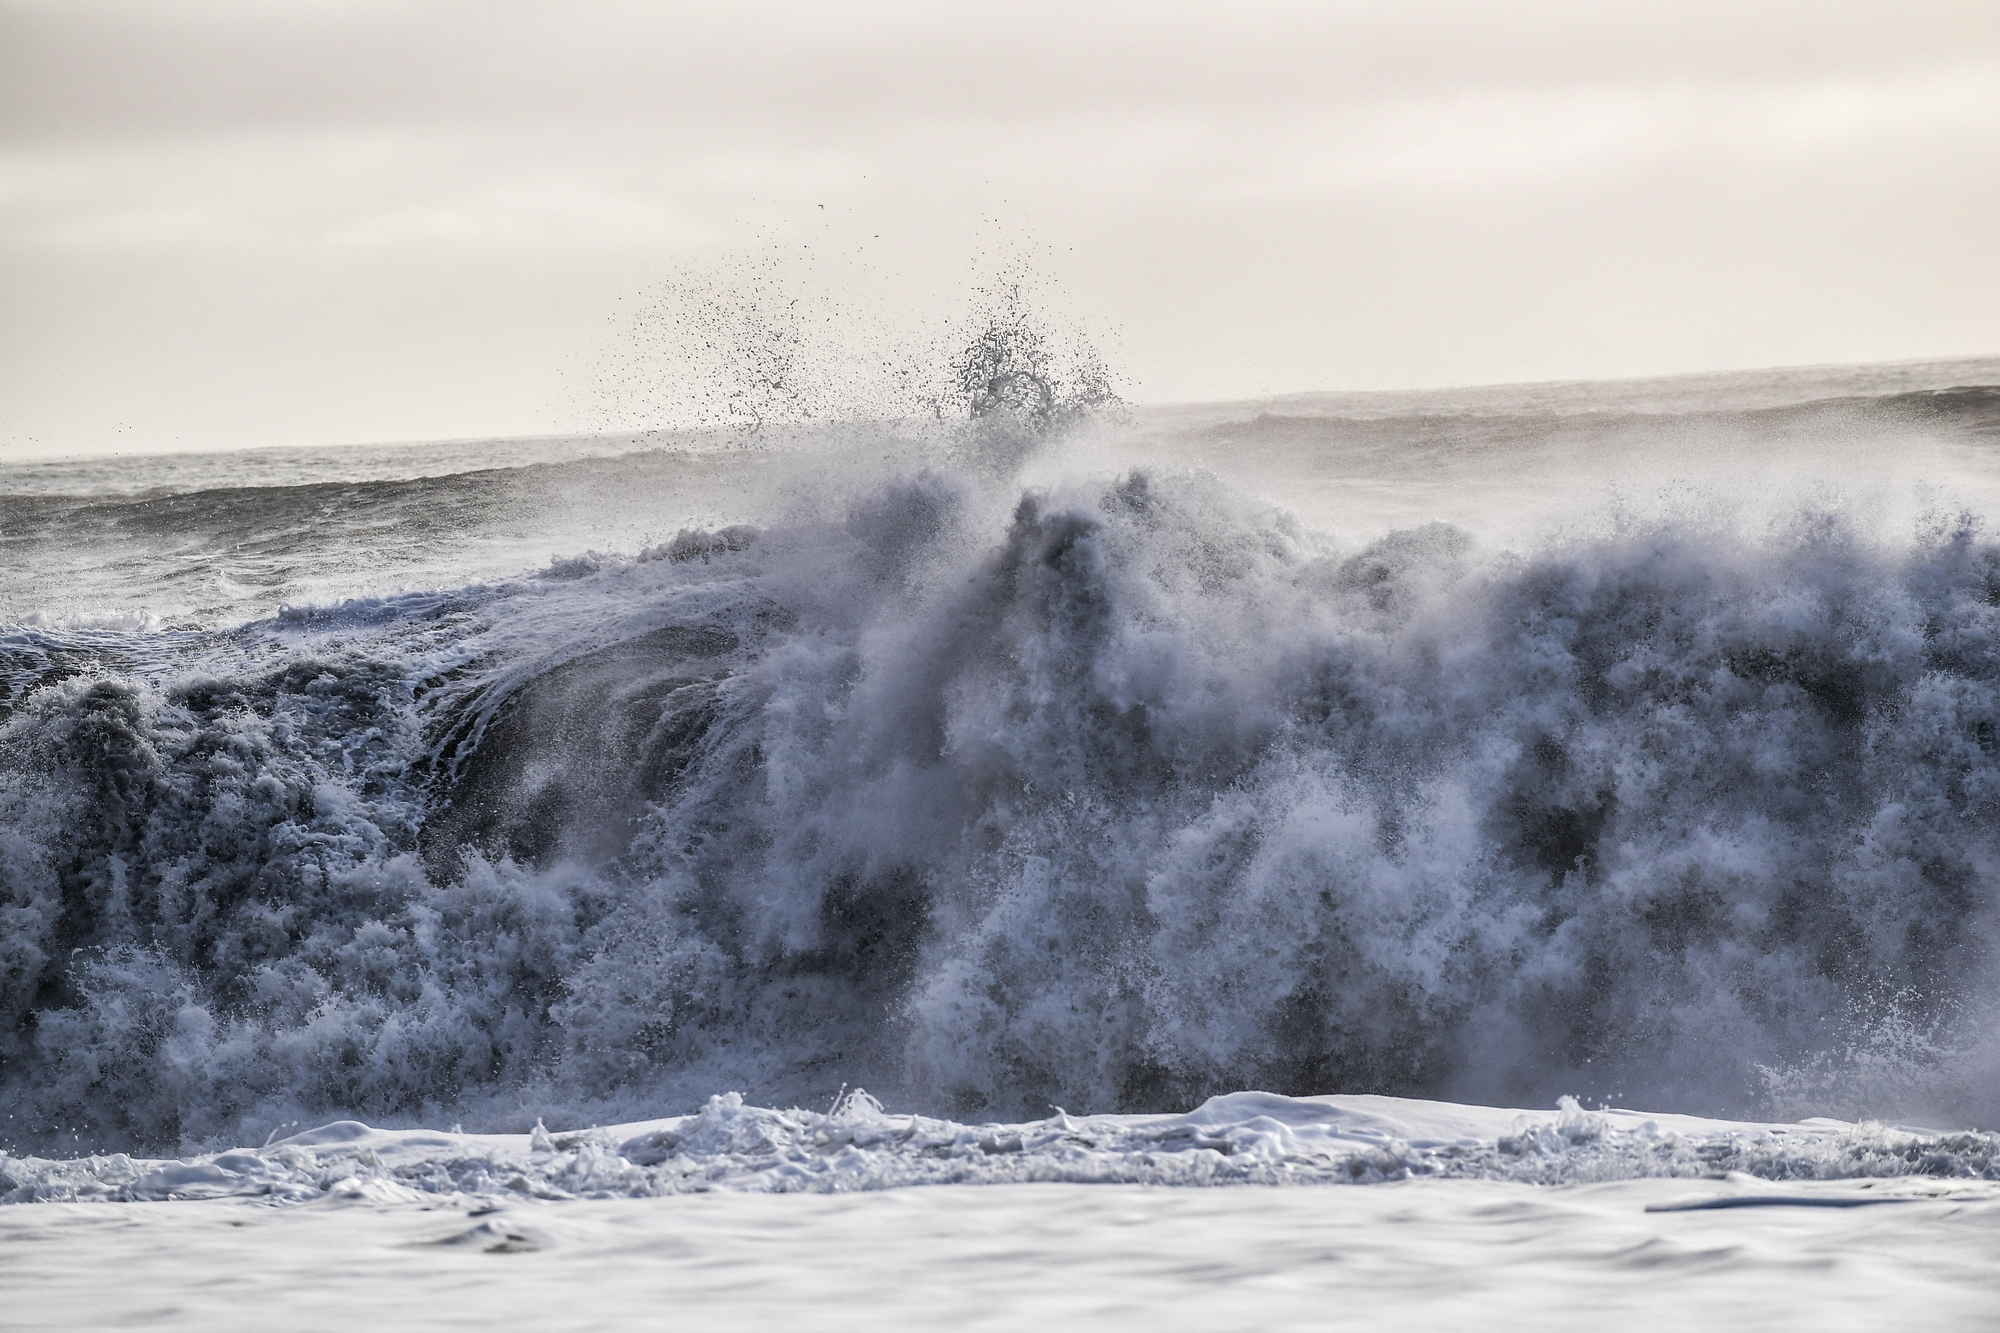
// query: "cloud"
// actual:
[[1218, 176]]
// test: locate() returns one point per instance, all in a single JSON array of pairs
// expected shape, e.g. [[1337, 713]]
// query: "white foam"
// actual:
[[1248, 1138]]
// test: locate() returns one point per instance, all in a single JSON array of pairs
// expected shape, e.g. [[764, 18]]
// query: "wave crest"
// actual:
[[1112, 797]]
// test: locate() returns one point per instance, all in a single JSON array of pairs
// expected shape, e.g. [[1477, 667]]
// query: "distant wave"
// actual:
[[219, 539]]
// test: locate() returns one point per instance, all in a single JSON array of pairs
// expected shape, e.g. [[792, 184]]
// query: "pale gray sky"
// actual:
[[239, 222]]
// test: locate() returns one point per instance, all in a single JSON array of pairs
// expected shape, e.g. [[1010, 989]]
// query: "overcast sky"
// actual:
[[314, 221]]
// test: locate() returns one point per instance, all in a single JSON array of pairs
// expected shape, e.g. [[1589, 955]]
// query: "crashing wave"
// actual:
[[1115, 797]]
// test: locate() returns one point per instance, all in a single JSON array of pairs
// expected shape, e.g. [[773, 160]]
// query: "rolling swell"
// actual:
[[1109, 797]]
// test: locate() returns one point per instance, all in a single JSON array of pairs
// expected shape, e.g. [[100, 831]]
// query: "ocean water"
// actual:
[[1242, 794]]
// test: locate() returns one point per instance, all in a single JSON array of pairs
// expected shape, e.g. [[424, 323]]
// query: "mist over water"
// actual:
[[1640, 748]]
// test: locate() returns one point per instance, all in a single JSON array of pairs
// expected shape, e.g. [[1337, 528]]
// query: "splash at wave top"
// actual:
[[1108, 788]]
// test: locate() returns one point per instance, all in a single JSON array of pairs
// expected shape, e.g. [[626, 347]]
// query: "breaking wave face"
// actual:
[[1106, 795]]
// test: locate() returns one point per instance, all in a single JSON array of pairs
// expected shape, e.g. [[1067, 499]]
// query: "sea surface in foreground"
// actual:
[[1419, 1256]]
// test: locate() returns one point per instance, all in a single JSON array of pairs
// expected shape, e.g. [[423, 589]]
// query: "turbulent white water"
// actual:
[[1492, 751], [1249, 1138]]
